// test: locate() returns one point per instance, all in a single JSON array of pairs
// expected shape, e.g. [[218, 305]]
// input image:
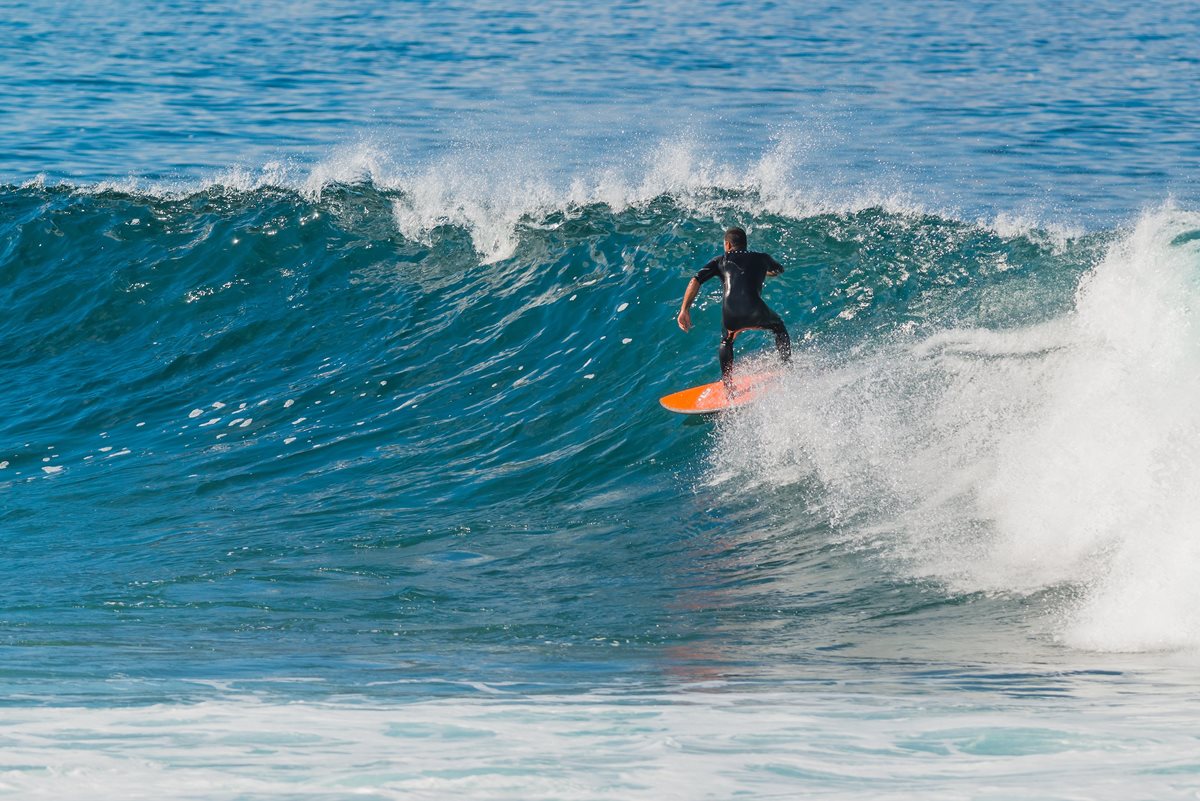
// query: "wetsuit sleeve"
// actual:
[[710, 270], [773, 266]]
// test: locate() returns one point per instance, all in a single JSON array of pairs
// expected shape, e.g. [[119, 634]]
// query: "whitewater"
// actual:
[[331, 459]]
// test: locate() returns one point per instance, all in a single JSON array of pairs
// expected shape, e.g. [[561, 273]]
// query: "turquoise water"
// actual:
[[331, 463]]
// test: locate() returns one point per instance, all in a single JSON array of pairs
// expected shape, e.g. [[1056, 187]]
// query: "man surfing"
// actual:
[[743, 273]]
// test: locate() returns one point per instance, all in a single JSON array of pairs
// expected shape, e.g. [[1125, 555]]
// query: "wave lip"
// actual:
[[492, 193]]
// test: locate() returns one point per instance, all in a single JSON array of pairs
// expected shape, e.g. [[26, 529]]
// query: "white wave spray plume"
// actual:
[[1064, 455]]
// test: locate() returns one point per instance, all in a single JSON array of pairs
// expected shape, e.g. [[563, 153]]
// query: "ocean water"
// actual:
[[331, 462]]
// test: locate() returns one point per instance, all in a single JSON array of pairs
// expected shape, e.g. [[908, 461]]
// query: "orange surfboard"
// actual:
[[709, 398]]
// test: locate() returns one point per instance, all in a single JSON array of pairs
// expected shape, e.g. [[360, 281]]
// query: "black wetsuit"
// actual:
[[743, 273]]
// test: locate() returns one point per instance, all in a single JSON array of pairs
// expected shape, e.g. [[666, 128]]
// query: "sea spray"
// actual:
[[1057, 455]]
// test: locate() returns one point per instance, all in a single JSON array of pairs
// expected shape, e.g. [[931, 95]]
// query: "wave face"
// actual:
[[264, 418]]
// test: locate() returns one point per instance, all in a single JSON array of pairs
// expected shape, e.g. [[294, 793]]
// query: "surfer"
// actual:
[[743, 273]]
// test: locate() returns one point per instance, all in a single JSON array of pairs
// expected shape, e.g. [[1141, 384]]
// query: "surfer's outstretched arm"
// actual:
[[685, 314]]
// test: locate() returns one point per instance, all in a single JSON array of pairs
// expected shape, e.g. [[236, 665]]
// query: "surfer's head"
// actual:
[[735, 239]]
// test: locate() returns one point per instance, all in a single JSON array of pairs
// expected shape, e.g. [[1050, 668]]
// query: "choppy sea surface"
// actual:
[[331, 459]]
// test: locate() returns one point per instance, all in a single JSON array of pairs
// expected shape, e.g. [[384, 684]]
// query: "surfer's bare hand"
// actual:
[[685, 320]]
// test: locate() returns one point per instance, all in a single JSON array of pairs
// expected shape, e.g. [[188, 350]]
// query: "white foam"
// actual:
[[710, 743], [1051, 234], [360, 162], [488, 194]]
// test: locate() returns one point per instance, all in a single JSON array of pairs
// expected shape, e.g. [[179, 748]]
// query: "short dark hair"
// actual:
[[736, 238]]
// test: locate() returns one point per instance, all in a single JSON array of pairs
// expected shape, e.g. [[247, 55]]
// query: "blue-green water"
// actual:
[[331, 462]]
